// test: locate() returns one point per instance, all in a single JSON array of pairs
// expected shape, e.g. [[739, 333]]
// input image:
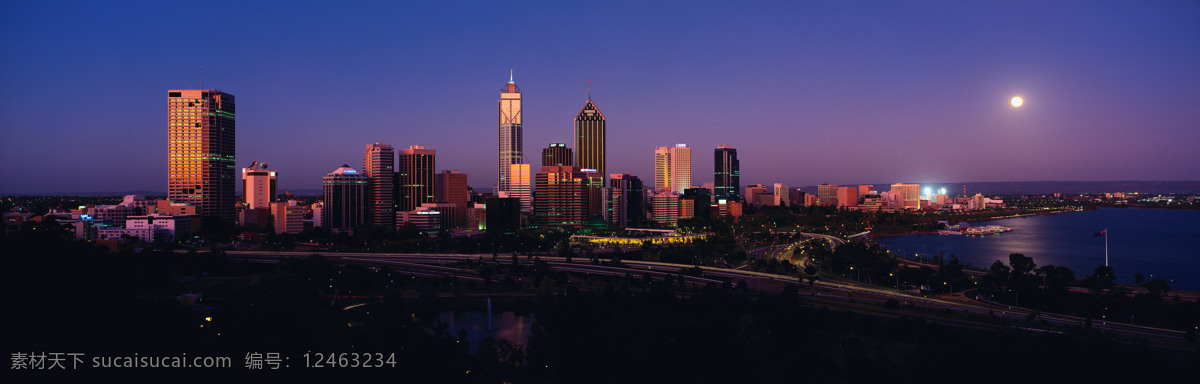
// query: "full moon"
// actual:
[[1016, 101]]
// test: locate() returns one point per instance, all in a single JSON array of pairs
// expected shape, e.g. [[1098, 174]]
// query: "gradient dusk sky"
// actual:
[[808, 92]]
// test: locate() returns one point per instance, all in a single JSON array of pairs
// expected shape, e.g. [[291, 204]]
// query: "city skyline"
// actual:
[[919, 91]]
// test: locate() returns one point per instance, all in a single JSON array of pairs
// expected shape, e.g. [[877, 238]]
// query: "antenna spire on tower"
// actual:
[[589, 90], [510, 78]]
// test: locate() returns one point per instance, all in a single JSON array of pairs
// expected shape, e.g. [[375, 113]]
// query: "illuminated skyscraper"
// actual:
[[345, 199], [379, 165], [557, 154], [561, 197], [415, 176], [589, 137], [727, 177], [673, 168], [520, 186], [511, 147], [200, 151]]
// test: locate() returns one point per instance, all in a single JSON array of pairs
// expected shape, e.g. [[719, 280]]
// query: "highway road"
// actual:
[[434, 265]]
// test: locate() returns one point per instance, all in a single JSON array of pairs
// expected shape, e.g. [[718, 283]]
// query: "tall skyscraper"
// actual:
[[561, 197], [589, 137], [345, 199], [520, 186], [415, 175], [557, 154], [673, 168], [258, 186], [200, 151], [727, 176], [511, 142], [379, 166]]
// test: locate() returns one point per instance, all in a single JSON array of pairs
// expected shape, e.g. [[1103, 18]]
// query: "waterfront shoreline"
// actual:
[[876, 236]]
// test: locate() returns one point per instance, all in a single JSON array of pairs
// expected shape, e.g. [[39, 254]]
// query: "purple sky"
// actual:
[[817, 92]]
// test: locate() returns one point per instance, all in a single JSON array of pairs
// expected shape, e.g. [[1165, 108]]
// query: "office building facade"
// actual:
[[589, 138], [379, 166], [414, 175], [510, 133], [727, 174], [451, 187], [201, 151], [560, 197], [258, 186], [557, 154], [345, 199], [624, 204], [673, 168]]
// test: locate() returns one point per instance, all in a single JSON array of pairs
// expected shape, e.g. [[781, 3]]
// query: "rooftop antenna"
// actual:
[[589, 90], [510, 79]]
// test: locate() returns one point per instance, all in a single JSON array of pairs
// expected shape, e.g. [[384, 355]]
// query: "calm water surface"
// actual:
[[507, 325], [1159, 242]]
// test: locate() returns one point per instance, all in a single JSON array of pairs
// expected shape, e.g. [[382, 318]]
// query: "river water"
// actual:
[[1153, 242], [505, 325]]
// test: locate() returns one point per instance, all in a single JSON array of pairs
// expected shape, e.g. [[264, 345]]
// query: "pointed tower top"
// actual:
[[510, 79]]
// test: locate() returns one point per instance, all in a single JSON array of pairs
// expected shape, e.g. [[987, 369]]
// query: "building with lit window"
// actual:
[[557, 154], [589, 138], [200, 151], [907, 196], [510, 134], [727, 174], [665, 208], [414, 173], [345, 202], [827, 195], [379, 166], [624, 200], [560, 197], [673, 168]]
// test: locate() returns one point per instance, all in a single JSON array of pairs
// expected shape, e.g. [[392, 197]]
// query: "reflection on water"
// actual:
[[507, 325], [1154, 242]]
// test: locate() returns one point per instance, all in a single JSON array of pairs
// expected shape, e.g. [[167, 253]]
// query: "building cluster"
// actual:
[[401, 188], [900, 197], [134, 217]]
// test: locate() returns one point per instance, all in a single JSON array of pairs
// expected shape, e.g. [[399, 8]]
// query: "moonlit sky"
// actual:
[[808, 92]]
